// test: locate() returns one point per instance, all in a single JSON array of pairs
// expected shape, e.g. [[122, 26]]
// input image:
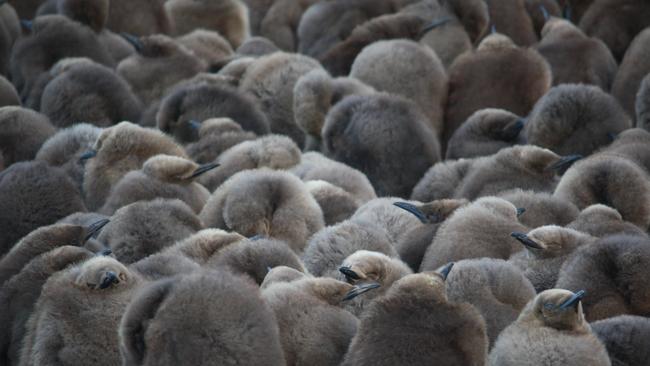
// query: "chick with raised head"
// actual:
[[431, 327], [614, 270], [275, 152], [547, 248], [412, 246], [611, 180], [542, 208], [76, 318], [281, 21], [271, 80], [220, 317], [599, 220], [141, 18], [314, 328], [550, 330], [118, 150], [161, 176], [485, 133], [275, 204], [477, 81], [33, 194], [386, 137], [145, 227], [381, 65], [216, 135], [575, 119], [633, 68], [480, 229], [626, 339], [228, 17], [22, 133], [497, 289]]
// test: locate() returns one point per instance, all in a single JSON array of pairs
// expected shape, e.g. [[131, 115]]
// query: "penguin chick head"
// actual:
[[496, 41], [499, 207], [101, 273], [497, 124], [550, 241], [428, 285], [334, 291], [218, 126], [433, 212], [538, 159], [365, 266], [174, 169], [559, 26], [557, 308]]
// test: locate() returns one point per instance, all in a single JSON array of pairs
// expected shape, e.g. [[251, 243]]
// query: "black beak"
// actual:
[[360, 289], [444, 272], [196, 125], [565, 162], [573, 300], [133, 40], [105, 253], [520, 211], [512, 130], [93, 230], [349, 274], [436, 23], [109, 279], [257, 237], [27, 25], [87, 155], [525, 240], [203, 169], [412, 209], [544, 12]]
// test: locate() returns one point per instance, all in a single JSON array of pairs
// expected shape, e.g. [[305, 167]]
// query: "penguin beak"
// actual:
[[105, 253], [95, 228], [349, 273], [565, 162], [544, 12], [360, 289], [573, 300], [87, 155], [257, 237], [520, 211], [525, 240], [133, 40], [412, 209], [27, 25], [203, 169], [512, 130], [196, 125], [436, 23], [444, 272], [109, 278]]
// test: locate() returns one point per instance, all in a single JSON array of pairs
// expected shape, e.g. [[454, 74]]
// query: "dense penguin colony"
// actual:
[[325, 182]]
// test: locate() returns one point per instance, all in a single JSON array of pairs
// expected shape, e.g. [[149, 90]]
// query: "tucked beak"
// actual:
[[565, 162], [436, 23], [108, 279], [544, 12], [203, 169], [349, 273], [444, 272], [360, 289], [525, 240], [87, 155], [512, 130], [520, 211], [573, 300], [133, 40], [95, 228], [257, 237], [27, 25], [412, 209], [196, 125], [105, 253]]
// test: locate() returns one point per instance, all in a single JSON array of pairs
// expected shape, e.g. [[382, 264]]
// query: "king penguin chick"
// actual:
[[633, 68], [412, 246], [217, 135], [203, 245], [480, 229], [145, 227], [271, 80], [417, 308], [614, 181], [88, 92], [575, 119], [281, 274], [314, 329], [613, 269], [551, 330], [542, 208], [275, 152], [547, 248], [485, 133], [497, 289], [139, 17], [394, 153], [626, 339], [428, 86], [22, 133], [265, 202], [228, 17], [208, 45], [220, 317], [66, 327], [476, 81], [33, 194], [574, 57], [329, 247], [162, 176], [365, 267], [280, 22], [599, 220], [118, 150]]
